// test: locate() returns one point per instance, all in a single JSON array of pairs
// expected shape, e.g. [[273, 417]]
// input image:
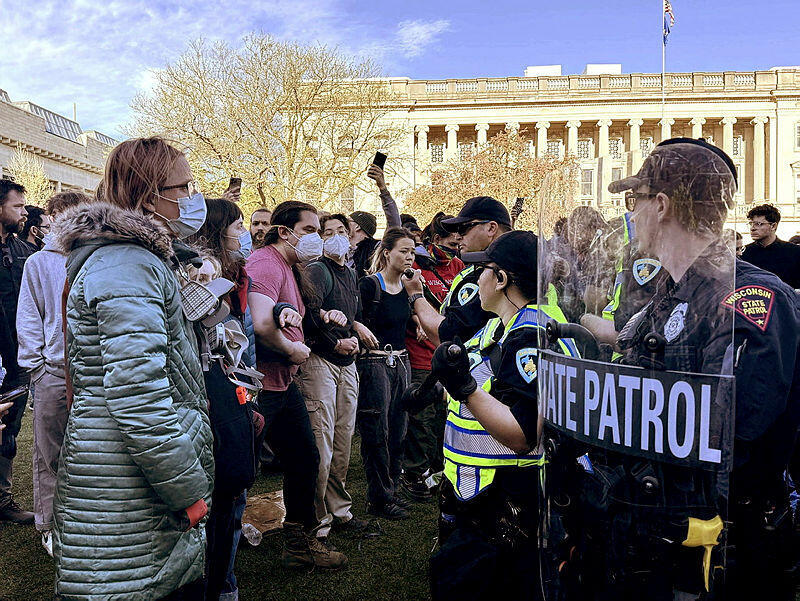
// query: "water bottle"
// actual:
[[252, 534]]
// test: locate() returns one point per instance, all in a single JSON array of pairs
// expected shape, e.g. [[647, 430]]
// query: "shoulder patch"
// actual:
[[645, 270], [754, 303], [526, 364], [466, 293]]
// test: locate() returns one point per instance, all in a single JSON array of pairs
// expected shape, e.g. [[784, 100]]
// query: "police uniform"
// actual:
[[461, 308], [489, 497]]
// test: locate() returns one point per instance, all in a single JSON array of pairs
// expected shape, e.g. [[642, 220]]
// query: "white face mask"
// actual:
[[48, 238], [192, 215], [309, 247], [245, 244], [337, 246]]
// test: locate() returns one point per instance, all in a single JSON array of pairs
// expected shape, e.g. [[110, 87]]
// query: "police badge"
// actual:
[[526, 364], [675, 323], [645, 270], [467, 293]]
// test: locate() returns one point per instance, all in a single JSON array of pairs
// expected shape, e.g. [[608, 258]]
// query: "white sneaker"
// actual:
[[47, 542]]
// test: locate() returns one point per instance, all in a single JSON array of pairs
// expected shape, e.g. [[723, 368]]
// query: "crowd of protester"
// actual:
[[172, 354]]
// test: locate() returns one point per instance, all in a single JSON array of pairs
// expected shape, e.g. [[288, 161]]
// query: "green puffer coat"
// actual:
[[138, 445]]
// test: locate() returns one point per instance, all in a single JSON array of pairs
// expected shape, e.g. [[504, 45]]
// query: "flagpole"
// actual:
[[663, 61]]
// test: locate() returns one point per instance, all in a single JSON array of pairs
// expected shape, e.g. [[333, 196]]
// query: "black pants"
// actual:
[[486, 552], [422, 447], [220, 530], [382, 424], [289, 434]]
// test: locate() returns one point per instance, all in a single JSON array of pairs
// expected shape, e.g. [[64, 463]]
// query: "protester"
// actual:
[[328, 381], [41, 353], [136, 468], [381, 417], [259, 225], [14, 254], [363, 225], [277, 281], [37, 226], [769, 252], [422, 447], [226, 243]]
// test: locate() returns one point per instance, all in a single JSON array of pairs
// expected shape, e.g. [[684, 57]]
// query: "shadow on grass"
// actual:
[[393, 566]]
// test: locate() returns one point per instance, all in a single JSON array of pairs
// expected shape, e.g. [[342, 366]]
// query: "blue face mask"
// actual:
[[245, 244], [192, 215]]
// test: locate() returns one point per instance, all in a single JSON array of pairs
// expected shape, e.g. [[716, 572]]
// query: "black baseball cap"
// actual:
[[479, 208], [516, 252]]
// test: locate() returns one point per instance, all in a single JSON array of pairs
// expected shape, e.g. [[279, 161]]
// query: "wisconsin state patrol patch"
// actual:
[[526, 364], [645, 270], [467, 293], [754, 303]]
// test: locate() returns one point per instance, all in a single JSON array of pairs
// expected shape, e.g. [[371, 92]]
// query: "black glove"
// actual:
[[450, 363]]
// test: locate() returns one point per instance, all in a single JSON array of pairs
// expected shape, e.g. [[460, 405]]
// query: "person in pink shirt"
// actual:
[[278, 284]]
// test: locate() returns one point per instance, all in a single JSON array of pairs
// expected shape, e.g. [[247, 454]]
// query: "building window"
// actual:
[[465, 150], [437, 153], [616, 174], [587, 182], [615, 148], [797, 136], [797, 187], [645, 145], [553, 149], [584, 149], [738, 146]]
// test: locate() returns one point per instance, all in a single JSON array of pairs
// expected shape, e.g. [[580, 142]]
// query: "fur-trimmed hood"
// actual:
[[102, 223]]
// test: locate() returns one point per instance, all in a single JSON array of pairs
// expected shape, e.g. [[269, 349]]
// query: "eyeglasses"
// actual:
[[463, 228], [631, 198], [191, 187], [758, 223]]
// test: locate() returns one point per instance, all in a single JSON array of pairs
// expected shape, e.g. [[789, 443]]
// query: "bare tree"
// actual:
[[503, 168], [293, 121], [27, 170]]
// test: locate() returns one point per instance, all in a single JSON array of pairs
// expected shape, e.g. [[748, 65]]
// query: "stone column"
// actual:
[[482, 128], [452, 141], [635, 154], [727, 134], [697, 126], [422, 138], [603, 161], [602, 141], [758, 158], [541, 138], [572, 137], [512, 127], [666, 128]]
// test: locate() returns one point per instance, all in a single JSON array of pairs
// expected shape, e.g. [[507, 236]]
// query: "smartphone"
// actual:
[[380, 159], [235, 185]]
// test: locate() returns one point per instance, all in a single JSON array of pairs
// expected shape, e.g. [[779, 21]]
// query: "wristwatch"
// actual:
[[414, 298]]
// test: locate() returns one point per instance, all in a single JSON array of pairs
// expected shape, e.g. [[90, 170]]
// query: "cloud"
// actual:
[[414, 37], [101, 53]]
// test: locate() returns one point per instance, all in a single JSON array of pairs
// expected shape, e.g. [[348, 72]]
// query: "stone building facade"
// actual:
[[611, 120], [72, 158]]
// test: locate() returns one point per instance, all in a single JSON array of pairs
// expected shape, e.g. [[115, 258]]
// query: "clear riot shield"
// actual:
[[636, 389]]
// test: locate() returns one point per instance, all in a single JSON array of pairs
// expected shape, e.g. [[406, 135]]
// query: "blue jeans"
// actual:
[[230, 592]]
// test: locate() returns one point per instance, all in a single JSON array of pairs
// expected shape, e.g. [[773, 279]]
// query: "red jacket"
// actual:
[[421, 353]]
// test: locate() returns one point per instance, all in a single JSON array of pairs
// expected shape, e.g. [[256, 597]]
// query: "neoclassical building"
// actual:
[[72, 158], [611, 120]]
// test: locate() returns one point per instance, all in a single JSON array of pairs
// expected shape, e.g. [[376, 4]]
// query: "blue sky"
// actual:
[[99, 53]]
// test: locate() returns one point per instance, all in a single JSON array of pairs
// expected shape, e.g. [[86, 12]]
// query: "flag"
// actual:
[[669, 19]]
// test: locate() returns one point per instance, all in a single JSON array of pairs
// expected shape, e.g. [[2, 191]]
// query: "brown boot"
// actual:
[[300, 550]]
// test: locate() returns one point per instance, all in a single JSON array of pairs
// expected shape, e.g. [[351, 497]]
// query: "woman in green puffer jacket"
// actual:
[[136, 468]]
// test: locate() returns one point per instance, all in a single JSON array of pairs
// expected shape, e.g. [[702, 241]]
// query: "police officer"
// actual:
[[698, 322], [489, 499], [480, 222]]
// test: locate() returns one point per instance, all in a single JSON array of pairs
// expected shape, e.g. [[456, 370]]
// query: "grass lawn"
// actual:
[[392, 566]]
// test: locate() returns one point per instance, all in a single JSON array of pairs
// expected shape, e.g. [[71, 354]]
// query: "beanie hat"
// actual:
[[366, 221]]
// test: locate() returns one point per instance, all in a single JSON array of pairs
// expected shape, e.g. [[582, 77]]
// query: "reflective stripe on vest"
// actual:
[[627, 235], [471, 454], [454, 287]]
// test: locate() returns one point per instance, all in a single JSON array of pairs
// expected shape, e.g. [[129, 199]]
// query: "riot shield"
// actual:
[[636, 387]]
